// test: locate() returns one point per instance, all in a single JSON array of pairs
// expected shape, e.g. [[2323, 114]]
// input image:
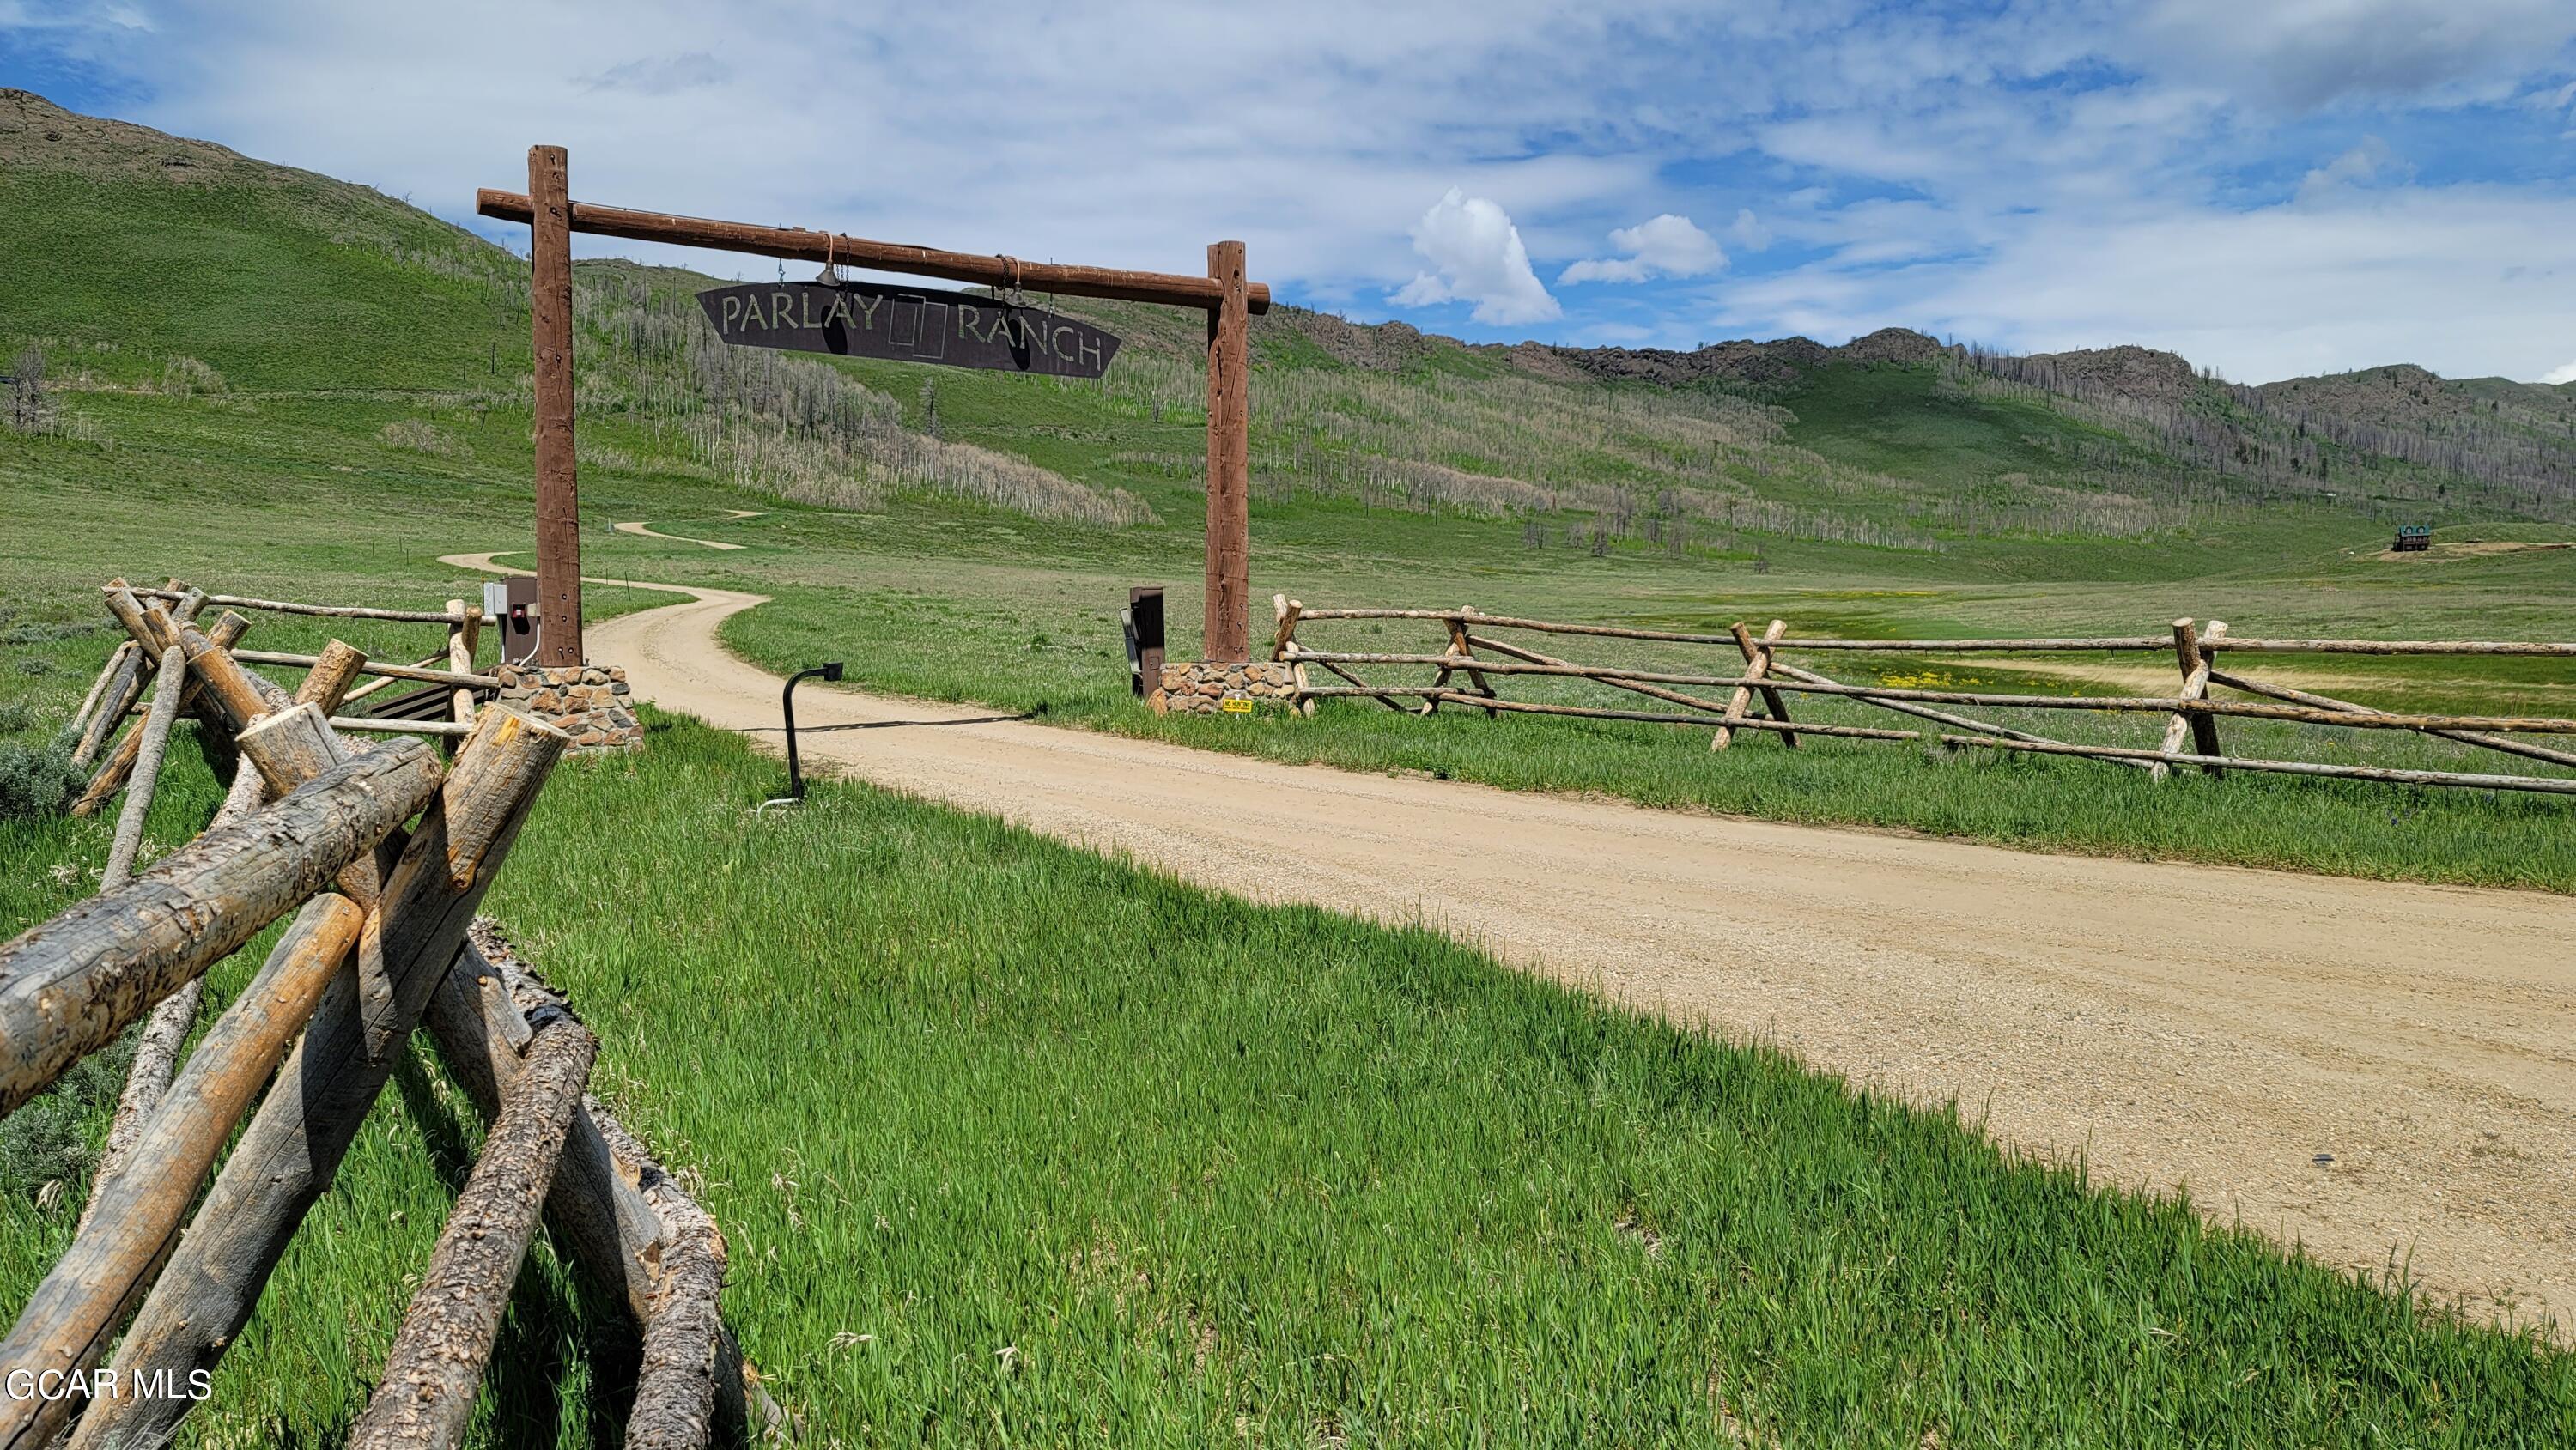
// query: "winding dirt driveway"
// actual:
[[642, 532], [2177, 1024]]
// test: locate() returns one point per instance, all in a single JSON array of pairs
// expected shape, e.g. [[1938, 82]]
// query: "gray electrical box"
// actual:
[[510, 615]]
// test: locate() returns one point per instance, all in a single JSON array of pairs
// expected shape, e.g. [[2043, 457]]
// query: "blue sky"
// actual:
[[2270, 188]]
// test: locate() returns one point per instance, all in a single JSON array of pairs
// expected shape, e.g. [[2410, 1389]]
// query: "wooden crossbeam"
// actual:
[[2054, 645], [1926, 712], [325, 611], [2548, 785], [2113, 704], [837, 248], [1529, 656], [1532, 707], [439, 669]]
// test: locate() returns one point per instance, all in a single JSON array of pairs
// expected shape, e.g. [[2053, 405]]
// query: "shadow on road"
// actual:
[[885, 724]]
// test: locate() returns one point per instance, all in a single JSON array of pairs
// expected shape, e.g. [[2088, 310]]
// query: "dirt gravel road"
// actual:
[[2178, 1024]]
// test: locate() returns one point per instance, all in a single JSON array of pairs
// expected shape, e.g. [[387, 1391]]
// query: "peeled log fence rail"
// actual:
[[2192, 713], [2062, 645], [324, 611], [465, 678], [68, 986], [331, 675], [427, 1392], [388, 851]]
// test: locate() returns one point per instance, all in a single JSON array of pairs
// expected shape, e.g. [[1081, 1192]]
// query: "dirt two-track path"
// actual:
[[2176, 1024]]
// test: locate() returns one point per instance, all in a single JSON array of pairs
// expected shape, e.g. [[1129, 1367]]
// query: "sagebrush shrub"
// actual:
[[36, 780]]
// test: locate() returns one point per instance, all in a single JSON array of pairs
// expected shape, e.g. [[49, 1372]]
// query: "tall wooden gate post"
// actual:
[[1229, 461], [558, 495]]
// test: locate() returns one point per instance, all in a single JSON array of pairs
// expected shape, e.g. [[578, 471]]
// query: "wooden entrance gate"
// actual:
[[552, 217]]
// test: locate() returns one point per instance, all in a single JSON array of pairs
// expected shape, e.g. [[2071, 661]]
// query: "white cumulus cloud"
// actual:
[[2563, 373], [1666, 246], [1476, 256], [1748, 231]]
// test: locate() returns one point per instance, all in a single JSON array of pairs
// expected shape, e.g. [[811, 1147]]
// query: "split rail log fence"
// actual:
[[123, 683], [382, 852], [1474, 649]]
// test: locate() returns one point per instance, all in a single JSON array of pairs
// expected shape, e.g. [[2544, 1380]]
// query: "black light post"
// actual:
[[831, 674]]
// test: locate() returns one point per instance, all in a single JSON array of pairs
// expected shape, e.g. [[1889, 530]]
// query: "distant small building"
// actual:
[[2412, 539]]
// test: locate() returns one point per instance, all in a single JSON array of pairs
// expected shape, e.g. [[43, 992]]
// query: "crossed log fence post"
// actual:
[[386, 938], [2191, 712]]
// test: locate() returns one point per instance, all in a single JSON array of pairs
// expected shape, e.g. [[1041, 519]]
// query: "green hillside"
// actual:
[[229, 275], [276, 279]]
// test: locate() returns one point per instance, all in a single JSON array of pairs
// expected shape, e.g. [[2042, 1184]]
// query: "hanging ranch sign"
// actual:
[[906, 324]]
